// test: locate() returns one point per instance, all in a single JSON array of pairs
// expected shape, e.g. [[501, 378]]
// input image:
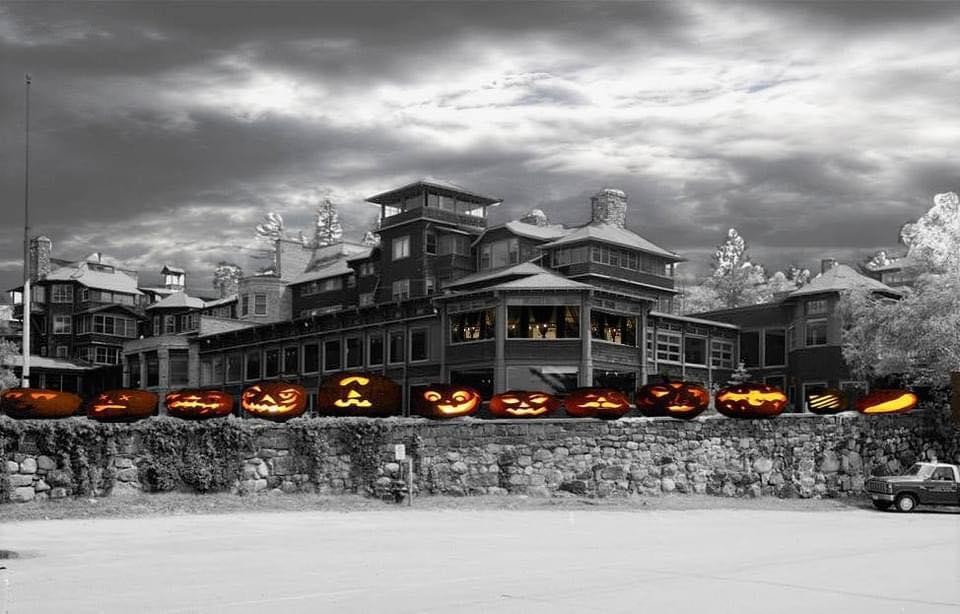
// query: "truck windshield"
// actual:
[[921, 471]]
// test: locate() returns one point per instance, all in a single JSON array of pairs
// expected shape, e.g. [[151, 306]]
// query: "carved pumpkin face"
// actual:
[[683, 400], [444, 401], [596, 403], [751, 400], [359, 394], [29, 403], [198, 404], [277, 401], [122, 405], [887, 402], [522, 404], [826, 401]]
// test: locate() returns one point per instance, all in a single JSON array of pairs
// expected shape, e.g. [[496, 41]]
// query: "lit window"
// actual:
[[543, 322], [472, 326]]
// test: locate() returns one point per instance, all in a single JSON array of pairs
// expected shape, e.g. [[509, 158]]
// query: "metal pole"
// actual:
[[409, 481], [25, 350]]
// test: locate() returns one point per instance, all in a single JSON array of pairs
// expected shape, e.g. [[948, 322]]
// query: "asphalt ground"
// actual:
[[488, 560]]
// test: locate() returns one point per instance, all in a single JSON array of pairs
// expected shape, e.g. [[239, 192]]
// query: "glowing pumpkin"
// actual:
[[604, 403], [826, 401], [751, 400], [887, 402], [277, 401], [445, 401], [522, 404], [684, 400], [198, 404], [122, 405], [359, 394], [28, 403]]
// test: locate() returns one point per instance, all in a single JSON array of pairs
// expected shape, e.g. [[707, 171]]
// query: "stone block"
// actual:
[[59, 477], [668, 485], [128, 475], [459, 467], [13, 466], [262, 470], [122, 462], [28, 465], [22, 494], [58, 493], [41, 486], [18, 480], [763, 465], [283, 465], [45, 463]]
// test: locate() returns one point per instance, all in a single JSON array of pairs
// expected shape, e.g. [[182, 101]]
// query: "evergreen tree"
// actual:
[[739, 376], [327, 228]]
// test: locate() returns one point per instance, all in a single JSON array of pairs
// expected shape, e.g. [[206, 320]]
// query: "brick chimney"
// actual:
[[609, 206], [827, 263], [40, 250]]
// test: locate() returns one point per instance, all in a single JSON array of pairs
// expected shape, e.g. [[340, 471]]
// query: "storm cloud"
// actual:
[[162, 132]]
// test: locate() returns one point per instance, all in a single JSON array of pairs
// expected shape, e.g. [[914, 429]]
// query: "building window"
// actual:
[[178, 374], [774, 348], [454, 244], [396, 347], [169, 325], [613, 328], [218, 369], [351, 280], [543, 322], [401, 289], [115, 325], [816, 307], [401, 247], [750, 348], [331, 355], [429, 284], [260, 304], [354, 352], [816, 333], [571, 255], [62, 293], [156, 326], [419, 350], [153, 369], [367, 269], [792, 337], [271, 362], [500, 254], [133, 371], [234, 368], [311, 357], [366, 299], [430, 242], [721, 354], [206, 372], [245, 305], [375, 349], [472, 326], [61, 325], [291, 359], [62, 351], [668, 346], [104, 355], [84, 294], [253, 365], [695, 350]]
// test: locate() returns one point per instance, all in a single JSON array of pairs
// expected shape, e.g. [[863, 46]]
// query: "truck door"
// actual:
[[941, 487]]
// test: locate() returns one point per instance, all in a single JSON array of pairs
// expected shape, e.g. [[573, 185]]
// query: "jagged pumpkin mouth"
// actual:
[[755, 397]]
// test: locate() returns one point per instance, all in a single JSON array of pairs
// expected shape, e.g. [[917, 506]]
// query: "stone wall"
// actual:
[[791, 456]]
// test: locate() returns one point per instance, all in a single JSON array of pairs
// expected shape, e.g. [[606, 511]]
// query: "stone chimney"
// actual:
[[535, 217], [827, 263], [609, 206], [40, 250]]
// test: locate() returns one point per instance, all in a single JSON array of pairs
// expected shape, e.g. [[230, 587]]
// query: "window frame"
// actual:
[[806, 332], [426, 343], [400, 248]]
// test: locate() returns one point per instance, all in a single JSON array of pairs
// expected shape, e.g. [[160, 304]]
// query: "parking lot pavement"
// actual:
[[715, 561]]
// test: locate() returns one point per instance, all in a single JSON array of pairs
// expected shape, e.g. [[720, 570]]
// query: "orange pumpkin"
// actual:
[[751, 400], [522, 404], [28, 403], [198, 404], [124, 405], [826, 401], [277, 401], [887, 402], [604, 403], [359, 394], [446, 401], [684, 400]]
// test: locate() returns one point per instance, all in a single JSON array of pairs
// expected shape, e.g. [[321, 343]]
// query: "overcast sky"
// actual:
[[162, 132]]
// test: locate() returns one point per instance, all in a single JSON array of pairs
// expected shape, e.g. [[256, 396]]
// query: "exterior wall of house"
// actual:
[[277, 299]]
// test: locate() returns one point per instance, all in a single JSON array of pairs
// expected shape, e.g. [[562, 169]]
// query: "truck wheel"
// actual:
[[906, 503], [882, 505]]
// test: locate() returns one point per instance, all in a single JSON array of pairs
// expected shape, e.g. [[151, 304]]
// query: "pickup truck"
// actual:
[[922, 484]]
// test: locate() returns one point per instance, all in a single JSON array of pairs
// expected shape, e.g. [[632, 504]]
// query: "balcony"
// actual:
[[435, 214]]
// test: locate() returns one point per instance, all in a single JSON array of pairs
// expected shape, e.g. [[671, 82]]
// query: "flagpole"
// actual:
[[25, 349]]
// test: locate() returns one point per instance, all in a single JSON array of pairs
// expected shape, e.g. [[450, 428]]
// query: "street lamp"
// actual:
[[25, 349]]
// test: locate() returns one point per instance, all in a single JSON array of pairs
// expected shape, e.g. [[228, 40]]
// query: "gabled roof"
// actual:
[[233, 298], [549, 232], [523, 269], [612, 234], [542, 281], [333, 269], [428, 182], [172, 269], [179, 299], [114, 281], [839, 279]]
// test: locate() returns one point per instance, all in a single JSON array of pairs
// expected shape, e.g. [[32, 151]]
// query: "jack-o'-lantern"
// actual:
[[446, 401], [826, 401], [684, 400], [122, 405], [277, 401], [28, 403], [887, 402], [751, 400], [604, 403], [198, 404], [359, 394], [522, 404]]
